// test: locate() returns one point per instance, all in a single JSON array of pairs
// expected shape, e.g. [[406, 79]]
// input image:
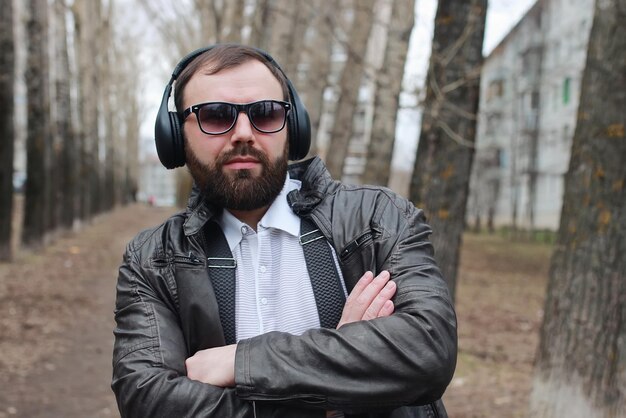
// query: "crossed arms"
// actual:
[[403, 353], [370, 298]]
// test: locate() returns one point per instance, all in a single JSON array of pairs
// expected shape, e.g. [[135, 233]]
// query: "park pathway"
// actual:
[[56, 320]]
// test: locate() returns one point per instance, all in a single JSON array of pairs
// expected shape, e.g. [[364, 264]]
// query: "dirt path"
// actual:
[[56, 320]]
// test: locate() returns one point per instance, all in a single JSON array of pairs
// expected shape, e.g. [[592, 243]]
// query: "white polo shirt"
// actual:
[[274, 290]]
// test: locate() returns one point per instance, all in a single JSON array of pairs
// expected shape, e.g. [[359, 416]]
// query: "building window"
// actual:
[[496, 89], [566, 90], [534, 100], [501, 158]]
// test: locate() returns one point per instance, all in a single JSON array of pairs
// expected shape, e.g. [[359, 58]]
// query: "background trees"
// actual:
[[443, 163], [86, 107], [582, 356], [7, 74], [77, 158]]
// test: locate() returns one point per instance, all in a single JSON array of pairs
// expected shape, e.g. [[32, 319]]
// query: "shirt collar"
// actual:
[[279, 216]]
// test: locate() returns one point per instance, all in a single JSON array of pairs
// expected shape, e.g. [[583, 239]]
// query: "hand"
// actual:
[[215, 366], [370, 298]]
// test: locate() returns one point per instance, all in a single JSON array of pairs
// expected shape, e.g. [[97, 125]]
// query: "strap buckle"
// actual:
[[308, 237], [221, 263]]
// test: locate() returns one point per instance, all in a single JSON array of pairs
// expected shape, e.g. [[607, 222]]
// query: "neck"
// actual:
[[250, 217]]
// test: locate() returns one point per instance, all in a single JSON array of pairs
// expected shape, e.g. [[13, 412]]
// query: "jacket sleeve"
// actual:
[[149, 374], [149, 377], [407, 358]]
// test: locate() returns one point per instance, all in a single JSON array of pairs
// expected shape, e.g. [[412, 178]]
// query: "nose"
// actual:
[[243, 130]]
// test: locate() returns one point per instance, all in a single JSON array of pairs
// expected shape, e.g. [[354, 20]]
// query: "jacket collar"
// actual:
[[312, 173]]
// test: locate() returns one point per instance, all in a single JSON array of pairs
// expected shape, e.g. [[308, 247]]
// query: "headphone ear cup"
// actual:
[[178, 140], [299, 127], [168, 136]]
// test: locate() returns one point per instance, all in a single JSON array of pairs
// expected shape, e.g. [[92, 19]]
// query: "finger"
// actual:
[[363, 282], [385, 294], [386, 310], [365, 299], [348, 314]]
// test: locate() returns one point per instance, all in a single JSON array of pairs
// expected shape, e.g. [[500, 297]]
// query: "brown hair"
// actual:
[[221, 57]]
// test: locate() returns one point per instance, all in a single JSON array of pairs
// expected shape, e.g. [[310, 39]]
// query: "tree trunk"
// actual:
[[259, 33], [107, 105], [389, 86], [351, 78], [86, 15], [287, 26], [36, 204], [441, 173], [319, 50], [7, 130], [581, 361], [233, 21], [68, 158]]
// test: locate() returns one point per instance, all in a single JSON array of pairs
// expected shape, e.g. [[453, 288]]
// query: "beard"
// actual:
[[239, 190]]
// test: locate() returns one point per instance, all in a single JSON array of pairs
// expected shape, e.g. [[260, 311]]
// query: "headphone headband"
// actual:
[[168, 132]]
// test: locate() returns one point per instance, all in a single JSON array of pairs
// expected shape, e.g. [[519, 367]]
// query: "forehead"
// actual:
[[248, 82]]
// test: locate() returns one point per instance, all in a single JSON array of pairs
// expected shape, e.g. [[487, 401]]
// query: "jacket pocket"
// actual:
[[353, 246]]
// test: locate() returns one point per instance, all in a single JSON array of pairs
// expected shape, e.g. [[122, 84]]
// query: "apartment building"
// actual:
[[530, 88]]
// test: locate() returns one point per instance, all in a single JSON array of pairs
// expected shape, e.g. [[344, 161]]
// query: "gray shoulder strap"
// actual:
[[329, 294]]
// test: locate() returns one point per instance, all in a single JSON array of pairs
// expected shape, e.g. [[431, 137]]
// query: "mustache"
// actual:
[[242, 151]]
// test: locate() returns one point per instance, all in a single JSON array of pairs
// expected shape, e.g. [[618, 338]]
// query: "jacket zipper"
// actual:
[[190, 259], [354, 245], [181, 259]]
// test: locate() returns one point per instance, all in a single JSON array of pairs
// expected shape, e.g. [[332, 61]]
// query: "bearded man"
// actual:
[[278, 292]]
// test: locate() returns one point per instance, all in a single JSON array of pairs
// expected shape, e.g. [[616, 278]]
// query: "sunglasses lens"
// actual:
[[216, 118], [268, 116]]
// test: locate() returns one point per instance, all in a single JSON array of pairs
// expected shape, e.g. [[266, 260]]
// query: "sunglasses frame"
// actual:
[[245, 107]]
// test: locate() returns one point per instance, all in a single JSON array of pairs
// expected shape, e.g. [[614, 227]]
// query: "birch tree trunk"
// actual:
[[259, 33], [7, 130], [68, 154], [85, 13], [233, 21], [319, 50], [580, 369], [105, 74], [36, 204], [441, 173], [389, 86], [349, 84], [288, 23]]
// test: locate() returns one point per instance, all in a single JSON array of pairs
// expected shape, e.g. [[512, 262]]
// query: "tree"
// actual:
[[36, 203], [288, 23], [389, 85], [318, 49], [7, 139], [233, 21], [259, 34], [581, 360], [86, 20], [67, 161], [441, 173], [349, 86], [107, 105]]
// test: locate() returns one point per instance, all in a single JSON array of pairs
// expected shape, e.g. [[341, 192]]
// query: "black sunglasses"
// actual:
[[217, 118]]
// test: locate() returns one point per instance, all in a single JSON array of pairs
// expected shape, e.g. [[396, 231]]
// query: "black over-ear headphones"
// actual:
[[168, 129]]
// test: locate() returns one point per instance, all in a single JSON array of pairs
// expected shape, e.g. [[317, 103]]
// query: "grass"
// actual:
[[500, 295]]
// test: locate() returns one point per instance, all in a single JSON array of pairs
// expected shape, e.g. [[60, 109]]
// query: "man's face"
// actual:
[[243, 169]]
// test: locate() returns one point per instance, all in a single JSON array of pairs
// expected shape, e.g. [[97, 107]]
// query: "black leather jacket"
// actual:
[[166, 311]]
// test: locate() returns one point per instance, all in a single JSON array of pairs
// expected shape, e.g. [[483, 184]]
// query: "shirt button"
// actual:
[[264, 301], [262, 268], [244, 230]]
